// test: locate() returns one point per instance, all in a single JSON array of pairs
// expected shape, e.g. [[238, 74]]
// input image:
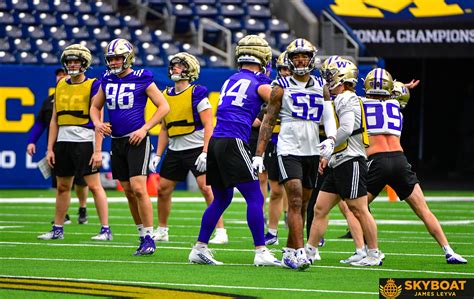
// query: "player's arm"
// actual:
[[269, 119], [207, 123], [38, 128], [265, 91], [96, 159], [346, 126], [53, 135], [414, 83], [163, 139], [95, 113]]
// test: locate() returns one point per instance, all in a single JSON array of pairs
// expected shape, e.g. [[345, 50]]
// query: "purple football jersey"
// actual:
[[239, 104], [126, 100]]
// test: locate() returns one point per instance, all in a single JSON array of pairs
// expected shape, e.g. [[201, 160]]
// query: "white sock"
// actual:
[[200, 246], [311, 248], [373, 252], [140, 230], [105, 226], [221, 231], [273, 231], [57, 225], [361, 251], [162, 228], [148, 231], [261, 250], [448, 250]]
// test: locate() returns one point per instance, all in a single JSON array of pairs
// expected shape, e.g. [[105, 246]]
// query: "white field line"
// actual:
[[246, 265], [252, 251], [209, 286], [200, 199]]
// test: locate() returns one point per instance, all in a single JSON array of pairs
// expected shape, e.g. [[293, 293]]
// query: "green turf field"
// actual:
[[90, 267]]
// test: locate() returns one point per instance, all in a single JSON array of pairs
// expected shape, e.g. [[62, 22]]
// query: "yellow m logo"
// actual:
[[373, 8]]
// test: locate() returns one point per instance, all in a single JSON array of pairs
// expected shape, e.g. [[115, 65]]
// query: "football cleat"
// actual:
[[147, 246], [368, 261], [288, 259], [263, 257], [302, 260], [82, 216], [347, 235], [220, 238], [104, 235], [161, 235], [202, 255], [455, 259], [56, 233], [312, 256], [356, 257], [321, 242], [271, 239]]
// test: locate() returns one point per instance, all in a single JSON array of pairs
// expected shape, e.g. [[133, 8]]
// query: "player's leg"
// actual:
[[275, 207], [82, 192], [165, 191], [356, 233], [63, 198]]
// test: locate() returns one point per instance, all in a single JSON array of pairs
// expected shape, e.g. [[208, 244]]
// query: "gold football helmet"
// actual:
[[253, 49], [341, 71], [327, 62], [116, 48], [76, 52], [378, 82], [191, 64], [282, 63], [300, 45], [401, 93]]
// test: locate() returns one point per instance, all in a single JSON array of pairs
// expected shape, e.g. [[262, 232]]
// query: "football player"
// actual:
[[125, 91], [187, 130], [229, 161], [347, 173], [73, 148], [387, 162], [298, 100]]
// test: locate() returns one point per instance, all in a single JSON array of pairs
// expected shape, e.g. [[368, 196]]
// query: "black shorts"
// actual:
[[271, 162], [393, 169], [348, 180], [72, 158], [177, 164], [229, 162], [130, 160], [304, 168], [78, 180]]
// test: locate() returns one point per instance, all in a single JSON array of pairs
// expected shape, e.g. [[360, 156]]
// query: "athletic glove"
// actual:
[[201, 162], [257, 163], [326, 148], [154, 163]]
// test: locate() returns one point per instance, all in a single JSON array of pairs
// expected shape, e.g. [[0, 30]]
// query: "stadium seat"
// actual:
[[97, 60], [92, 46], [46, 19], [206, 11], [207, 2], [202, 60], [59, 45], [90, 20], [121, 33], [78, 33], [275, 25], [6, 18], [103, 7], [61, 6], [102, 33], [232, 11], [157, 5], [236, 36], [160, 36], [48, 58], [253, 26], [109, 20], [283, 39], [190, 49], [13, 31], [4, 6], [259, 11], [269, 38], [154, 60], [169, 49], [44, 45], [232, 24], [234, 2], [68, 19], [6, 57], [215, 61], [138, 61], [24, 18], [5, 44], [35, 32], [184, 16], [27, 58], [41, 6], [83, 7], [258, 2], [56, 32], [150, 48], [21, 5], [131, 22], [22, 44], [142, 35]]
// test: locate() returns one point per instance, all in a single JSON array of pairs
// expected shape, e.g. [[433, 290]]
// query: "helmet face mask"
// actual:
[[301, 46], [255, 50], [341, 71], [119, 48], [76, 52], [187, 63], [324, 67], [401, 93], [378, 82], [282, 66]]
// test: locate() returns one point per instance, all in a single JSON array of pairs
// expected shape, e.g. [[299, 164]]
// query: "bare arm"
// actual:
[[53, 135], [96, 159], [162, 139], [96, 115], [414, 83], [160, 102], [265, 91], [269, 120], [206, 120]]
